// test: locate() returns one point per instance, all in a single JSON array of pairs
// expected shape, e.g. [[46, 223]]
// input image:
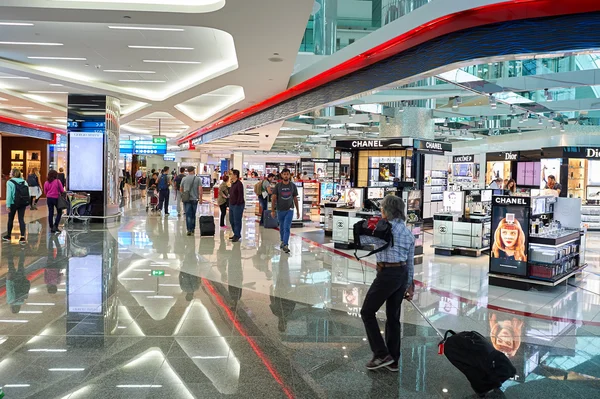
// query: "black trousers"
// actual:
[[223, 213], [11, 219], [163, 198], [389, 286]]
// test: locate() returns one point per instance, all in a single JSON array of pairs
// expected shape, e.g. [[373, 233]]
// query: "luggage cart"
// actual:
[[151, 200], [79, 209]]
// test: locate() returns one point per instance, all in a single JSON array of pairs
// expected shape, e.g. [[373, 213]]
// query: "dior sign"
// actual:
[[592, 153], [509, 156]]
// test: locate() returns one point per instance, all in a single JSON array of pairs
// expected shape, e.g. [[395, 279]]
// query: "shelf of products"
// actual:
[[590, 215], [577, 178], [251, 197], [417, 230], [310, 200], [34, 160], [17, 159]]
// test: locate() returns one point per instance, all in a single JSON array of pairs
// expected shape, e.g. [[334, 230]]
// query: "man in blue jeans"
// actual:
[[285, 197], [191, 184], [237, 204]]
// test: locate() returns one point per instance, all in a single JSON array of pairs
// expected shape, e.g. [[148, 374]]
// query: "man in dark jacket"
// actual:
[[236, 205]]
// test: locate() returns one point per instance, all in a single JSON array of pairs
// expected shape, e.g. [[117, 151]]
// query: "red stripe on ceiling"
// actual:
[[485, 15], [17, 122]]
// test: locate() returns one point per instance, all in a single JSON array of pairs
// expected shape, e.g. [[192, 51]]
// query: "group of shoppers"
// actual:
[[21, 193]]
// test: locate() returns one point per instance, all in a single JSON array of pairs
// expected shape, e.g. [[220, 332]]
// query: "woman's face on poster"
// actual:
[[509, 237]]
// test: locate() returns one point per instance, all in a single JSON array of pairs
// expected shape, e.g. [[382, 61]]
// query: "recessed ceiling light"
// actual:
[[141, 81], [48, 92], [145, 28], [40, 112], [3, 99], [32, 116], [172, 62], [162, 47], [15, 24], [56, 84], [59, 58], [32, 44], [125, 71], [14, 77]]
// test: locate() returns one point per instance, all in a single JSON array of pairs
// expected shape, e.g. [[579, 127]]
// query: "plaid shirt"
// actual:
[[403, 249]]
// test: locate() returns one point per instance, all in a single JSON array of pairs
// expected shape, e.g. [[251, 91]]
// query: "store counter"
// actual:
[[327, 209], [343, 223], [457, 235]]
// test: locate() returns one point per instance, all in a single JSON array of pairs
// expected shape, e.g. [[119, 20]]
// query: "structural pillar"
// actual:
[[237, 162], [93, 151], [408, 122]]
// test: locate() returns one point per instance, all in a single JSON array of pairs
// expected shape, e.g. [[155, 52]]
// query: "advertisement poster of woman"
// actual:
[[510, 228]]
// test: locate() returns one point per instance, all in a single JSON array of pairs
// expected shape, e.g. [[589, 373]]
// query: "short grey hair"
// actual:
[[393, 207]]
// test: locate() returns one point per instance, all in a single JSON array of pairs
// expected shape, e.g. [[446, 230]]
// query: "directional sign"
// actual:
[[158, 273], [159, 140]]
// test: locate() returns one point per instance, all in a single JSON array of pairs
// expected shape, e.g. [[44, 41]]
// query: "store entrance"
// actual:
[[23, 153]]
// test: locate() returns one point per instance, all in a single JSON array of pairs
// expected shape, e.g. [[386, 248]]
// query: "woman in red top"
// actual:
[[53, 189]]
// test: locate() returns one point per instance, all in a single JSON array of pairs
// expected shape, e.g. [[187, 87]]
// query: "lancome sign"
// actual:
[[463, 159]]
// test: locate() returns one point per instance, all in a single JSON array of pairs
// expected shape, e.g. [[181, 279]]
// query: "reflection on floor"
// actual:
[[139, 310]]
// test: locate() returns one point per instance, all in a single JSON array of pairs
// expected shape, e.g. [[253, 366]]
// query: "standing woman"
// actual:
[[35, 189], [54, 189], [16, 203], [223, 199], [62, 177]]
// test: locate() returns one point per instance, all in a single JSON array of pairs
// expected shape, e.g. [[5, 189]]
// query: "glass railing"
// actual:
[[335, 24]]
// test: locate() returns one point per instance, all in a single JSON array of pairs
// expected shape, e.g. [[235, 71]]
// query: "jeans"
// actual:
[[11, 218], [223, 213], [235, 219], [180, 205], [264, 204], [163, 198], [53, 203], [389, 286], [285, 225], [190, 215]]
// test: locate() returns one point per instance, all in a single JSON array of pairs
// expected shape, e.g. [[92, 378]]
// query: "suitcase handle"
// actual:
[[449, 332]]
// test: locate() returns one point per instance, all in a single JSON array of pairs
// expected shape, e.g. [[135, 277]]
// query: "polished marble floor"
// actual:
[[140, 310]]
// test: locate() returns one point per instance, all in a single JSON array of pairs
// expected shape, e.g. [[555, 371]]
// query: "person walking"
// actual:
[[62, 177], [393, 283], [191, 193], [17, 200], [163, 190], [215, 176], [284, 199], [54, 189], [35, 190], [177, 184], [263, 198], [223, 199], [236, 205], [143, 184]]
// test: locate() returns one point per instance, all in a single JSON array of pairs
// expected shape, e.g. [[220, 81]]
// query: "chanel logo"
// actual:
[[443, 229], [340, 225]]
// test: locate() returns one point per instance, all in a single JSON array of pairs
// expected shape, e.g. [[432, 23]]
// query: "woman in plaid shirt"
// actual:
[[394, 282]]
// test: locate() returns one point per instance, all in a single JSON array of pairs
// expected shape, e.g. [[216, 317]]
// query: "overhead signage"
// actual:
[[159, 140], [126, 146], [510, 235], [88, 125], [434, 147], [580, 152], [370, 144], [147, 147], [463, 159], [319, 160], [169, 157], [158, 273]]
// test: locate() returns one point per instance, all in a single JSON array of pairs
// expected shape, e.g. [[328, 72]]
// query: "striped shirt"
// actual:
[[403, 249]]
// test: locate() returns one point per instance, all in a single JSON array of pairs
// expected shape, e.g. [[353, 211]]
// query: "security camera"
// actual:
[[266, 135]]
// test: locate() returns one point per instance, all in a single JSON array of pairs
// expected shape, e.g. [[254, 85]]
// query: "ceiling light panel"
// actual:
[[172, 62], [141, 81], [190, 6], [207, 105], [30, 44], [15, 24], [127, 71], [160, 47]]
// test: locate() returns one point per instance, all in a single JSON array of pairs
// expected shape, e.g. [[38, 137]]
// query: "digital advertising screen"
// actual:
[[375, 193], [510, 235], [353, 197], [453, 201], [86, 161], [205, 180], [387, 171], [463, 169], [549, 167], [528, 173]]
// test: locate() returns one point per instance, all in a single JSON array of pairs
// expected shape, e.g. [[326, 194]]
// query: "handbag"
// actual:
[[62, 203], [185, 195]]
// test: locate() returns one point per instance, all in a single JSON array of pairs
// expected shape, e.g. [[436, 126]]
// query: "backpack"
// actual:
[[162, 182], [258, 188], [22, 198], [32, 180], [178, 180], [373, 227]]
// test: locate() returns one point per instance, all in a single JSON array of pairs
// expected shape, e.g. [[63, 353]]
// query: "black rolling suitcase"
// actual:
[[474, 355], [207, 226]]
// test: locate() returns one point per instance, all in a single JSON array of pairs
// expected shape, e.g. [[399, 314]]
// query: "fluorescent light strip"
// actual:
[[56, 84], [141, 81], [66, 369], [141, 292], [126, 71], [132, 279], [209, 357], [22, 107], [14, 321], [146, 28], [171, 62], [40, 112], [15, 24], [14, 77], [39, 303], [139, 386], [160, 297], [16, 386], [32, 44], [58, 58], [30, 312], [162, 47], [48, 92]]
